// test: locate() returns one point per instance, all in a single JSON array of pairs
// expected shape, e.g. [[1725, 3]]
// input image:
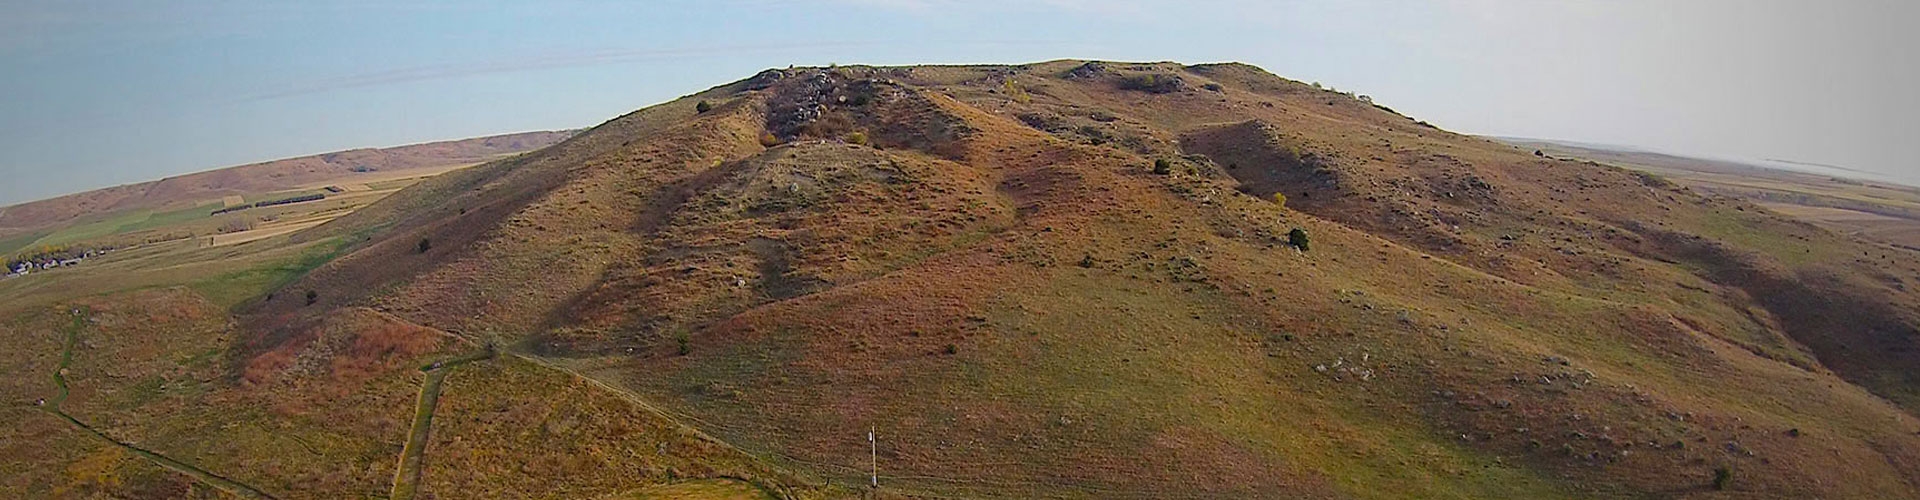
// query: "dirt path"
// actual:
[[52, 406], [406, 476]]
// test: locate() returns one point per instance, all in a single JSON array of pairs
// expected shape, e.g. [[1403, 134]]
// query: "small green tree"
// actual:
[[312, 297], [425, 244], [1014, 92], [1280, 198], [683, 343], [1298, 238], [1162, 167], [859, 138], [1721, 476], [702, 107]]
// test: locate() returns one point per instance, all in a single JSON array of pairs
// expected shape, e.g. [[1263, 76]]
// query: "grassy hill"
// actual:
[[306, 172], [1057, 280]]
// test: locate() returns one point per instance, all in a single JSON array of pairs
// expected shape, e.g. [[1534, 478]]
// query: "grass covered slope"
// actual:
[[323, 417], [1073, 279]]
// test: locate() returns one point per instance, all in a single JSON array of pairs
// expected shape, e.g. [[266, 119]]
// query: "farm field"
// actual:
[[254, 182], [1874, 210], [1892, 230]]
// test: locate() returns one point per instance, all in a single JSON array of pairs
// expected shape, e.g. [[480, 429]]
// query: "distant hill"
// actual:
[[1633, 156], [277, 175], [1854, 202]]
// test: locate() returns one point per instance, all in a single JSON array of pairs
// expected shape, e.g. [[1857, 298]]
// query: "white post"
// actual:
[[875, 445]]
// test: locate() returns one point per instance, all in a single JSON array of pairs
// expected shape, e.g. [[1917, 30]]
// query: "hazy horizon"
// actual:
[[114, 92]]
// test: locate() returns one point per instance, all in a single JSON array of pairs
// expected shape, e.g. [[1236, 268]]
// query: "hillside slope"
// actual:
[[986, 264], [267, 177]]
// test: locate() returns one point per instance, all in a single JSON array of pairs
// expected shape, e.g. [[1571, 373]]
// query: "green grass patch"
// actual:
[[232, 288], [105, 225], [1748, 232], [145, 391], [1170, 361], [705, 489], [201, 359], [14, 243], [168, 218]]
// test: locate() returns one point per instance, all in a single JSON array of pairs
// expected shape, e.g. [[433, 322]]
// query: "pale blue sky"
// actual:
[[100, 93]]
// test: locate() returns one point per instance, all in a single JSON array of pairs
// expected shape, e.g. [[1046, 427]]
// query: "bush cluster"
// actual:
[[1298, 238]]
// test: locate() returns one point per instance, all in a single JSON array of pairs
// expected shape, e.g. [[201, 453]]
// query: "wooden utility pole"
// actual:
[[875, 450]]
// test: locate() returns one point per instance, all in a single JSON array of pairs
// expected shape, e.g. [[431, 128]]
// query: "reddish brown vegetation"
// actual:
[[1464, 301], [346, 349]]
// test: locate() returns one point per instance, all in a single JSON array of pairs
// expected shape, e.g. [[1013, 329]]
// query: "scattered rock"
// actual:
[[1090, 70]]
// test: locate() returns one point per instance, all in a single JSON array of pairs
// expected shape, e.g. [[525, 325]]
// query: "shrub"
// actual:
[[857, 138], [683, 343], [1652, 180], [1280, 198], [1162, 166], [312, 297], [1014, 92], [425, 244], [1095, 135], [235, 225], [703, 107], [1298, 238], [767, 139], [287, 201], [829, 125], [1153, 83], [1722, 476], [952, 349]]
